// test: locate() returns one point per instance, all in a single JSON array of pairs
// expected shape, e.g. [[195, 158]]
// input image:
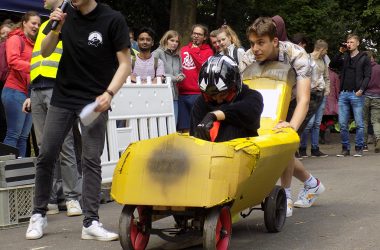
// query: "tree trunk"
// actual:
[[218, 10], [183, 16]]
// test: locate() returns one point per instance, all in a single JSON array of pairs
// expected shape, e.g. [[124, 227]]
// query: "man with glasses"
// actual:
[[193, 56]]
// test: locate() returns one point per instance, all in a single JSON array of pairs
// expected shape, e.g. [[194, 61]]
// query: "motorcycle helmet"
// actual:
[[220, 74]]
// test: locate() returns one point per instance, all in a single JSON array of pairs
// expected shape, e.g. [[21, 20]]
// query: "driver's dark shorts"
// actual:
[[316, 98]]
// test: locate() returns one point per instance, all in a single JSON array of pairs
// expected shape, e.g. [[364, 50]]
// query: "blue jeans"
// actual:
[[185, 105], [18, 122], [313, 127], [346, 101], [175, 104]]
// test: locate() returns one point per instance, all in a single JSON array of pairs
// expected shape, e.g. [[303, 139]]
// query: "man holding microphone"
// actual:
[[94, 65]]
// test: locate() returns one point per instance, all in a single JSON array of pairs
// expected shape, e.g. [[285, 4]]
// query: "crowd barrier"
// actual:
[[139, 112]]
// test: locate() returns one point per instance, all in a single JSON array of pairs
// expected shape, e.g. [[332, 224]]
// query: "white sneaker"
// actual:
[[36, 227], [308, 195], [73, 208], [97, 232], [52, 209], [289, 207]]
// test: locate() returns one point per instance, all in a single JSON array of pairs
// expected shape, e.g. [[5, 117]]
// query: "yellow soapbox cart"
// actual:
[[206, 185]]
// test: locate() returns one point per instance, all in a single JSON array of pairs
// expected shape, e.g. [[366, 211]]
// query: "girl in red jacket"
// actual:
[[19, 46]]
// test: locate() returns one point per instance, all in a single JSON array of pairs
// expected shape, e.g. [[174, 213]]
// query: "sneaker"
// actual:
[[97, 232], [73, 208], [365, 148], [358, 152], [36, 227], [289, 208], [52, 209], [298, 156], [308, 195], [344, 153], [317, 153], [303, 153]]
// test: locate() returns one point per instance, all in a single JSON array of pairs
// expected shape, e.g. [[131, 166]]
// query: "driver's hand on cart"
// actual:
[[202, 131]]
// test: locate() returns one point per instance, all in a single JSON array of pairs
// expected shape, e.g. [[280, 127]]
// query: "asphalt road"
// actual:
[[346, 216]]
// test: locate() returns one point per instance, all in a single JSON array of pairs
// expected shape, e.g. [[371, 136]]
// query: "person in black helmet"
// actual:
[[225, 99]]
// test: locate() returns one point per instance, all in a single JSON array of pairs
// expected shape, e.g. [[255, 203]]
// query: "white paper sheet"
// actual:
[[88, 114]]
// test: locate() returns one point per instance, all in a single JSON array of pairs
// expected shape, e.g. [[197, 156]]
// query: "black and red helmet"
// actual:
[[220, 74]]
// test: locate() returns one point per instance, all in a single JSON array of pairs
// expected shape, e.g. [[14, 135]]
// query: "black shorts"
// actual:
[[316, 98]]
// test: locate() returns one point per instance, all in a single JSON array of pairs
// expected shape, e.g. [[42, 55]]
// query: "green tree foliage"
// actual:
[[149, 13], [331, 20]]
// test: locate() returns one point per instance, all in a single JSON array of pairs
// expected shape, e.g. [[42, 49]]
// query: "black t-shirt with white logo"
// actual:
[[89, 61]]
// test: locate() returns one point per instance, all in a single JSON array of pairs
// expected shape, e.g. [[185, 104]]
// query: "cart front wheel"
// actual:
[[134, 227], [275, 210], [217, 229]]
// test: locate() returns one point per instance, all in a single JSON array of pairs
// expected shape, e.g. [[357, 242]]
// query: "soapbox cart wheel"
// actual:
[[275, 210], [217, 229], [134, 227]]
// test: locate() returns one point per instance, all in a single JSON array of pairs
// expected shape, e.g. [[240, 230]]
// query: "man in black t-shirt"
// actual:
[[94, 65], [227, 109], [355, 68]]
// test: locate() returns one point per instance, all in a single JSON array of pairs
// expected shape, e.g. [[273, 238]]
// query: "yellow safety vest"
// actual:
[[48, 66]]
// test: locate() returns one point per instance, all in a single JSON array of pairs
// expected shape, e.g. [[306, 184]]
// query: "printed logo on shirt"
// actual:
[[95, 38], [188, 62]]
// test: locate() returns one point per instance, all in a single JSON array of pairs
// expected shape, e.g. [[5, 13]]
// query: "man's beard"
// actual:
[[144, 49]]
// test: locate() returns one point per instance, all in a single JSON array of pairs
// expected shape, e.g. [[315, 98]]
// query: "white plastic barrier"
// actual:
[[148, 111]]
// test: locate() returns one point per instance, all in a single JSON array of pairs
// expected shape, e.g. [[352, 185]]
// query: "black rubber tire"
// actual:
[[275, 210], [140, 225], [217, 236]]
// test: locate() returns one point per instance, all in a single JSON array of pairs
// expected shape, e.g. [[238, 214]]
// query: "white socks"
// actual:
[[288, 192], [311, 182]]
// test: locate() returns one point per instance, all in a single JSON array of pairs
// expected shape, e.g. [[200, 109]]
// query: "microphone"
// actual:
[[63, 8]]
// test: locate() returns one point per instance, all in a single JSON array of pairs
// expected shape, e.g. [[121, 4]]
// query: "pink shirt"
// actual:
[[145, 68]]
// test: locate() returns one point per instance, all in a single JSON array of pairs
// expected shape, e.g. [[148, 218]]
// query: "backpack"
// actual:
[[4, 67], [235, 55]]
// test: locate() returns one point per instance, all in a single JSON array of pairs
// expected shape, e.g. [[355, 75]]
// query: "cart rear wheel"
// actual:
[[134, 228], [217, 229], [275, 210]]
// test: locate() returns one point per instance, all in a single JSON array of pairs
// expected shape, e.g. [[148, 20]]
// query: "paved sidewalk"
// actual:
[[347, 215]]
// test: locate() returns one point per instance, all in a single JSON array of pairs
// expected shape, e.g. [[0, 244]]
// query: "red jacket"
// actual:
[[332, 99], [18, 61], [192, 60]]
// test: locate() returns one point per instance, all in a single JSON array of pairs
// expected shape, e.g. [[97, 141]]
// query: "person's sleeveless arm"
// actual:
[[13, 50]]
